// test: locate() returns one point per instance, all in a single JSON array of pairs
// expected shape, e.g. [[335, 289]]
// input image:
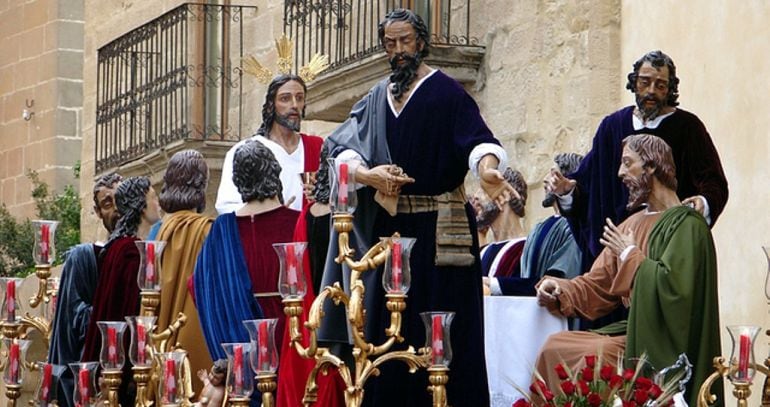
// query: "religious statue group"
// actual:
[[627, 255]]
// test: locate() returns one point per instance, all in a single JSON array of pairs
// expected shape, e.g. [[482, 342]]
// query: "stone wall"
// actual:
[[551, 73], [41, 66]]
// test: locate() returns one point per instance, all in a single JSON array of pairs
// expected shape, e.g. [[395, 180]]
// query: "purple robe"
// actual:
[[431, 140]]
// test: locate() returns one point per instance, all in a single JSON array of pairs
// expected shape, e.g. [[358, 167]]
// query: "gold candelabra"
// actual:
[[741, 389], [368, 357]]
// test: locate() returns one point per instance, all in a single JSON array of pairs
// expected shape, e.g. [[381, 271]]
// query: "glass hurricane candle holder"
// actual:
[[291, 278], [343, 196], [396, 276], [11, 309], [140, 350], [17, 351], [150, 252], [112, 356], [437, 327], [742, 356], [264, 354], [44, 250], [85, 383], [170, 387], [240, 379], [49, 382], [52, 287]]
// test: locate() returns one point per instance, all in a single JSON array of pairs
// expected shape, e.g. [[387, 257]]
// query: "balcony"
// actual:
[[171, 84], [346, 30]]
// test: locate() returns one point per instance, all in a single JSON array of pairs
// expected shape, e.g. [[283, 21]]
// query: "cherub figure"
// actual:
[[213, 392]]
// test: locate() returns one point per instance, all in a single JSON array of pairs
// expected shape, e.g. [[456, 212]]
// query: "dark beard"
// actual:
[[649, 113], [403, 75], [639, 190], [290, 124], [489, 212]]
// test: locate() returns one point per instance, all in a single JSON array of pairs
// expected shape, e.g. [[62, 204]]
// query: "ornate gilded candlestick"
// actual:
[[740, 370], [44, 254], [140, 352], [264, 357], [112, 357], [394, 253], [14, 368]]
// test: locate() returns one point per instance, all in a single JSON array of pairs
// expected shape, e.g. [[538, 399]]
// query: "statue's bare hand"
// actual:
[[495, 186], [557, 183]]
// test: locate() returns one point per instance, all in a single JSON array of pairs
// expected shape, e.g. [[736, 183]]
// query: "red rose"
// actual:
[[537, 387], [568, 387], [591, 361], [655, 391], [561, 372], [643, 383], [583, 387], [588, 373], [594, 400], [568, 404], [607, 372], [616, 382], [640, 396], [629, 403], [547, 395], [628, 374], [522, 403]]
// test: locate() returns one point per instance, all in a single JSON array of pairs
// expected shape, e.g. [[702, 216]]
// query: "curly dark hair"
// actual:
[[516, 179], [568, 163], [322, 187], [256, 172], [658, 60], [106, 180], [402, 14], [130, 200], [268, 108], [184, 183], [219, 367]]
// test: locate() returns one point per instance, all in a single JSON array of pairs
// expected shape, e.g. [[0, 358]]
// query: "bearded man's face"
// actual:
[[289, 104], [403, 48], [651, 90], [635, 177]]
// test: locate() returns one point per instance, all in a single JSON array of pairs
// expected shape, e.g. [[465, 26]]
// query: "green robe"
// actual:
[[674, 305]]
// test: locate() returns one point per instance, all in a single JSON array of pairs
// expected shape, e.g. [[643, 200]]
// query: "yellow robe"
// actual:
[[184, 233]]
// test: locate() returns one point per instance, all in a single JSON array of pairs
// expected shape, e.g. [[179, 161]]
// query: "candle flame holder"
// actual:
[[368, 357]]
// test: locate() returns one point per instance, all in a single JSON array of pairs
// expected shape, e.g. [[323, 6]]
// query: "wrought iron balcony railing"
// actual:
[[175, 77], [346, 30]]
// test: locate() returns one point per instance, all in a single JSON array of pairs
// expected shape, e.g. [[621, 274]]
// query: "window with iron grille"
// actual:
[[176, 77]]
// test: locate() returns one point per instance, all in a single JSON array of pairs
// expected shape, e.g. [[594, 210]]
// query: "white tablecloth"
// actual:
[[514, 330]]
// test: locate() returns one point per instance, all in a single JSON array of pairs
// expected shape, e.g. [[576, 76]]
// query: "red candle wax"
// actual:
[[112, 346], [238, 368], [263, 360], [83, 385], [141, 343], [170, 380], [291, 268], [396, 266], [45, 387], [743, 356], [150, 267], [45, 240], [10, 299], [437, 341], [13, 363], [342, 191]]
